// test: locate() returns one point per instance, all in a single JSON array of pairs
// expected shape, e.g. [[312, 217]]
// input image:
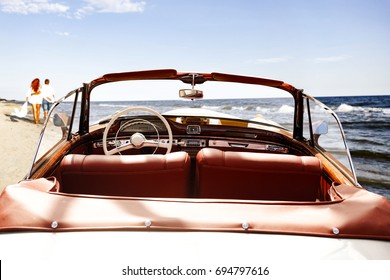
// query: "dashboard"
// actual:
[[193, 137]]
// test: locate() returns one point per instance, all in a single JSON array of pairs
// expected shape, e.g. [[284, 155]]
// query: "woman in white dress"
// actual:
[[34, 97]]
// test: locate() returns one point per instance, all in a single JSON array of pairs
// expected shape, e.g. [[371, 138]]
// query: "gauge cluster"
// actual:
[[147, 126]]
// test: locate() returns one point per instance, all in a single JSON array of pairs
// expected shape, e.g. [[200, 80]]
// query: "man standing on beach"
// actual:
[[48, 97]]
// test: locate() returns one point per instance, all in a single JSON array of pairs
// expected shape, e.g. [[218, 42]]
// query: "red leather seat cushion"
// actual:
[[126, 175], [245, 175]]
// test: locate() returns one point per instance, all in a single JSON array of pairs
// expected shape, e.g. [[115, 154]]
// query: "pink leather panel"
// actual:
[[245, 175]]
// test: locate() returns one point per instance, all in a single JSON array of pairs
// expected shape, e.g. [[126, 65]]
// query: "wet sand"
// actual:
[[18, 138]]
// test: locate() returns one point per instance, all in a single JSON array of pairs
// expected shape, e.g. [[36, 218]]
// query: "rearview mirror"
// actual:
[[191, 93]]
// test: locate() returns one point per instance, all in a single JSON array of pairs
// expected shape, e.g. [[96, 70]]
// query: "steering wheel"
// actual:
[[137, 140]]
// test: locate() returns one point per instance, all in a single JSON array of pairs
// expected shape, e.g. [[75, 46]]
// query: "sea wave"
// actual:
[[367, 154], [278, 109], [373, 185], [210, 107], [377, 125], [113, 105], [346, 108], [286, 109], [365, 141]]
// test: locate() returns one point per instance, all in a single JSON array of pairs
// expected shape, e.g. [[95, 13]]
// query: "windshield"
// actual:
[[222, 100]]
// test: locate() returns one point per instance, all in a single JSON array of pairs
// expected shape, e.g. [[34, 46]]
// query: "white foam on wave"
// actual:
[[262, 109], [282, 109], [210, 107], [113, 105], [345, 108], [386, 111], [242, 108], [228, 107], [286, 109]]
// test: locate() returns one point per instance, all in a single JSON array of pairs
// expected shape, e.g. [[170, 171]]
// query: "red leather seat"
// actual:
[[245, 175], [126, 175]]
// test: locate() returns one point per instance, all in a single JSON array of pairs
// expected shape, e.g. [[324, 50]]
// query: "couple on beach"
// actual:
[[39, 95]]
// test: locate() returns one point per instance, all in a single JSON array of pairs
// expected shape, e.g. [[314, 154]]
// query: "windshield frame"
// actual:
[[67, 131], [193, 79]]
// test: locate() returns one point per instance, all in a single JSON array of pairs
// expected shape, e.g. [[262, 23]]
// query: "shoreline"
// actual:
[[18, 137]]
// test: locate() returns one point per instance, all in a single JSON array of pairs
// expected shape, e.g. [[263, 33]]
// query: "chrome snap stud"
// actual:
[[54, 224], [148, 223], [245, 226]]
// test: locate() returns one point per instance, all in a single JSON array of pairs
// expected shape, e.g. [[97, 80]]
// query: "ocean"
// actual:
[[365, 119]]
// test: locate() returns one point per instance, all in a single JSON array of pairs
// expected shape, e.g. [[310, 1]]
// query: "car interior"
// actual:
[[241, 163]]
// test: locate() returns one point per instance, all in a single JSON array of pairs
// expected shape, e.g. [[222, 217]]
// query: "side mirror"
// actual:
[[191, 93], [319, 128], [61, 119]]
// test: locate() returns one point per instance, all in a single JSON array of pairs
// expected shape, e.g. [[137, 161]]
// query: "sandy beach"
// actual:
[[18, 138]]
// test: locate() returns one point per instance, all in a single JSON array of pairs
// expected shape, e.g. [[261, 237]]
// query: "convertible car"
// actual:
[[200, 166]]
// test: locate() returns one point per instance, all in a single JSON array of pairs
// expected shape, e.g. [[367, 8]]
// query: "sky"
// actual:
[[328, 48]]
